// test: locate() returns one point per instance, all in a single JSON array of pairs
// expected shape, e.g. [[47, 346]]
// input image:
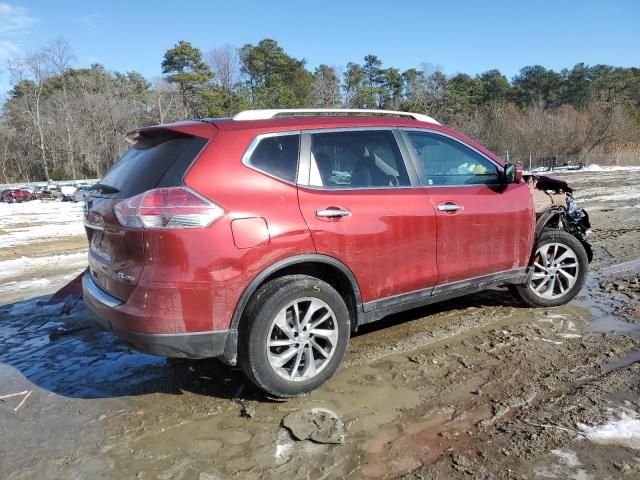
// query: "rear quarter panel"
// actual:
[[207, 260]]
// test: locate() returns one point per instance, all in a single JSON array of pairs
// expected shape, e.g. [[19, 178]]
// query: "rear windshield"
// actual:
[[158, 161]]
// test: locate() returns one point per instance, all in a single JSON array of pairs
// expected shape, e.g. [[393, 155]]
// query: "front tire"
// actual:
[[293, 336], [559, 271]]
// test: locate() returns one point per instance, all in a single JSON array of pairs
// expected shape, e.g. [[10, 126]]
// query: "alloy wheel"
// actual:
[[555, 270], [302, 339]]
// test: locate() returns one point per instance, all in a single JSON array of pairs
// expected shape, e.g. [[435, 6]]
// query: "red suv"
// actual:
[[266, 239]]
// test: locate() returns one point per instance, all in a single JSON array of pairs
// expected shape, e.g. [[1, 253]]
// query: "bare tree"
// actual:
[[60, 56], [435, 80], [164, 100], [326, 87], [225, 64], [29, 75], [4, 152]]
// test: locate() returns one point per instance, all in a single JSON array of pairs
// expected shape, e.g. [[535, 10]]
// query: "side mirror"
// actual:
[[512, 173]]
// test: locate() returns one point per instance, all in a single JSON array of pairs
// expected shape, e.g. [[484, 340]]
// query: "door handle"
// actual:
[[332, 212], [449, 207]]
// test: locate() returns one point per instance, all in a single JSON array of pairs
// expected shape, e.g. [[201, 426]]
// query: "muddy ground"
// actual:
[[477, 387]]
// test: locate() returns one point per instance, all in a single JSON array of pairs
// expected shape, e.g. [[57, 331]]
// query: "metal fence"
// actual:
[[533, 160]]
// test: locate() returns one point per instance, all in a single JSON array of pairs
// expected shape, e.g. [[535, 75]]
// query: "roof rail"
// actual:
[[293, 112]]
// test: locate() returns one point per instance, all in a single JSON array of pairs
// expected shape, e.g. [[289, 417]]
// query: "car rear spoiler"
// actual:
[[193, 129]]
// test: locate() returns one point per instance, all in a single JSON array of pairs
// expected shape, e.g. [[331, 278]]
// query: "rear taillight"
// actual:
[[176, 207]]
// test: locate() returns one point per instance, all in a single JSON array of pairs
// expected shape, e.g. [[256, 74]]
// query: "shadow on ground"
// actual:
[[70, 356]]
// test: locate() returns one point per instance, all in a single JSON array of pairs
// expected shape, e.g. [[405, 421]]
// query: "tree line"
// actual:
[[60, 122]]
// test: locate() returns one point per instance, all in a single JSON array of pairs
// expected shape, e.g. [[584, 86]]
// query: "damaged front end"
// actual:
[[556, 208]]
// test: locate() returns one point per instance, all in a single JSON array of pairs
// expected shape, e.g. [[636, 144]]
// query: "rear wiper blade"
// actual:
[[101, 187]]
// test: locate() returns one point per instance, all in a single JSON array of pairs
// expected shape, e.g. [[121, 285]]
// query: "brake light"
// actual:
[[161, 208]]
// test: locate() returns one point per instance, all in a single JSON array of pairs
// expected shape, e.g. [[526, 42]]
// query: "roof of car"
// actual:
[[264, 114], [262, 121], [319, 121], [299, 121]]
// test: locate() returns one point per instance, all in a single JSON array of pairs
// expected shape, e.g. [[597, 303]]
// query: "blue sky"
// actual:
[[458, 35]]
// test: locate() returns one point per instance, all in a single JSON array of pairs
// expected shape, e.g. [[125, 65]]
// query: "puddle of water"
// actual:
[[602, 320], [607, 323], [625, 361], [620, 267]]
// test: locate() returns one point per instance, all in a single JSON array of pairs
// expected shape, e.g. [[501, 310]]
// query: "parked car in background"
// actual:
[[29, 188], [81, 193], [267, 239], [67, 192], [15, 195]]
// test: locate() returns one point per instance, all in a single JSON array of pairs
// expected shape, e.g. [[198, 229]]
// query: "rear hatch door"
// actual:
[[159, 158]]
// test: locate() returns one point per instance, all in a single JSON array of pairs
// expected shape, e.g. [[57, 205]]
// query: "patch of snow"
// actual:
[[589, 168], [623, 429], [610, 168], [24, 223], [567, 468], [21, 285], [16, 213], [284, 447], [567, 457], [614, 197], [562, 471], [17, 267], [283, 450]]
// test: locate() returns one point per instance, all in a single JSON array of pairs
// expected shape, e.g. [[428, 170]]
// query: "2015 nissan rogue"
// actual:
[[267, 238]]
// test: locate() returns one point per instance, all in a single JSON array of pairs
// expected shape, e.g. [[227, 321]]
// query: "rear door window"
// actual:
[[444, 161], [155, 161], [276, 155], [356, 159]]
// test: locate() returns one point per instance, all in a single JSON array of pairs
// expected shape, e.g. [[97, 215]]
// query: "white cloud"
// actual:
[[90, 21], [8, 49], [15, 20]]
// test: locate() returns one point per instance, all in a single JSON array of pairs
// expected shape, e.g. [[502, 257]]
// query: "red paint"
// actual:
[[250, 232], [394, 241], [491, 233], [388, 241]]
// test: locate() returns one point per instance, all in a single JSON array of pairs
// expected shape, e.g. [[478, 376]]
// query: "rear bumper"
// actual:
[[180, 345]]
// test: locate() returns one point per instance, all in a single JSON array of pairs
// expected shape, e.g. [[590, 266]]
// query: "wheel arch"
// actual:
[[327, 268], [546, 218]]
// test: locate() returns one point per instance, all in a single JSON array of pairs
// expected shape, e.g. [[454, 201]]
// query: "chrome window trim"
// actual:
[[407, 140], [382, 189], [350, 129], [305, 159], [257, 139]]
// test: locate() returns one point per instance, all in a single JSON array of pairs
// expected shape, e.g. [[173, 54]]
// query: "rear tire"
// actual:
[[293, 335], [559, 271]]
